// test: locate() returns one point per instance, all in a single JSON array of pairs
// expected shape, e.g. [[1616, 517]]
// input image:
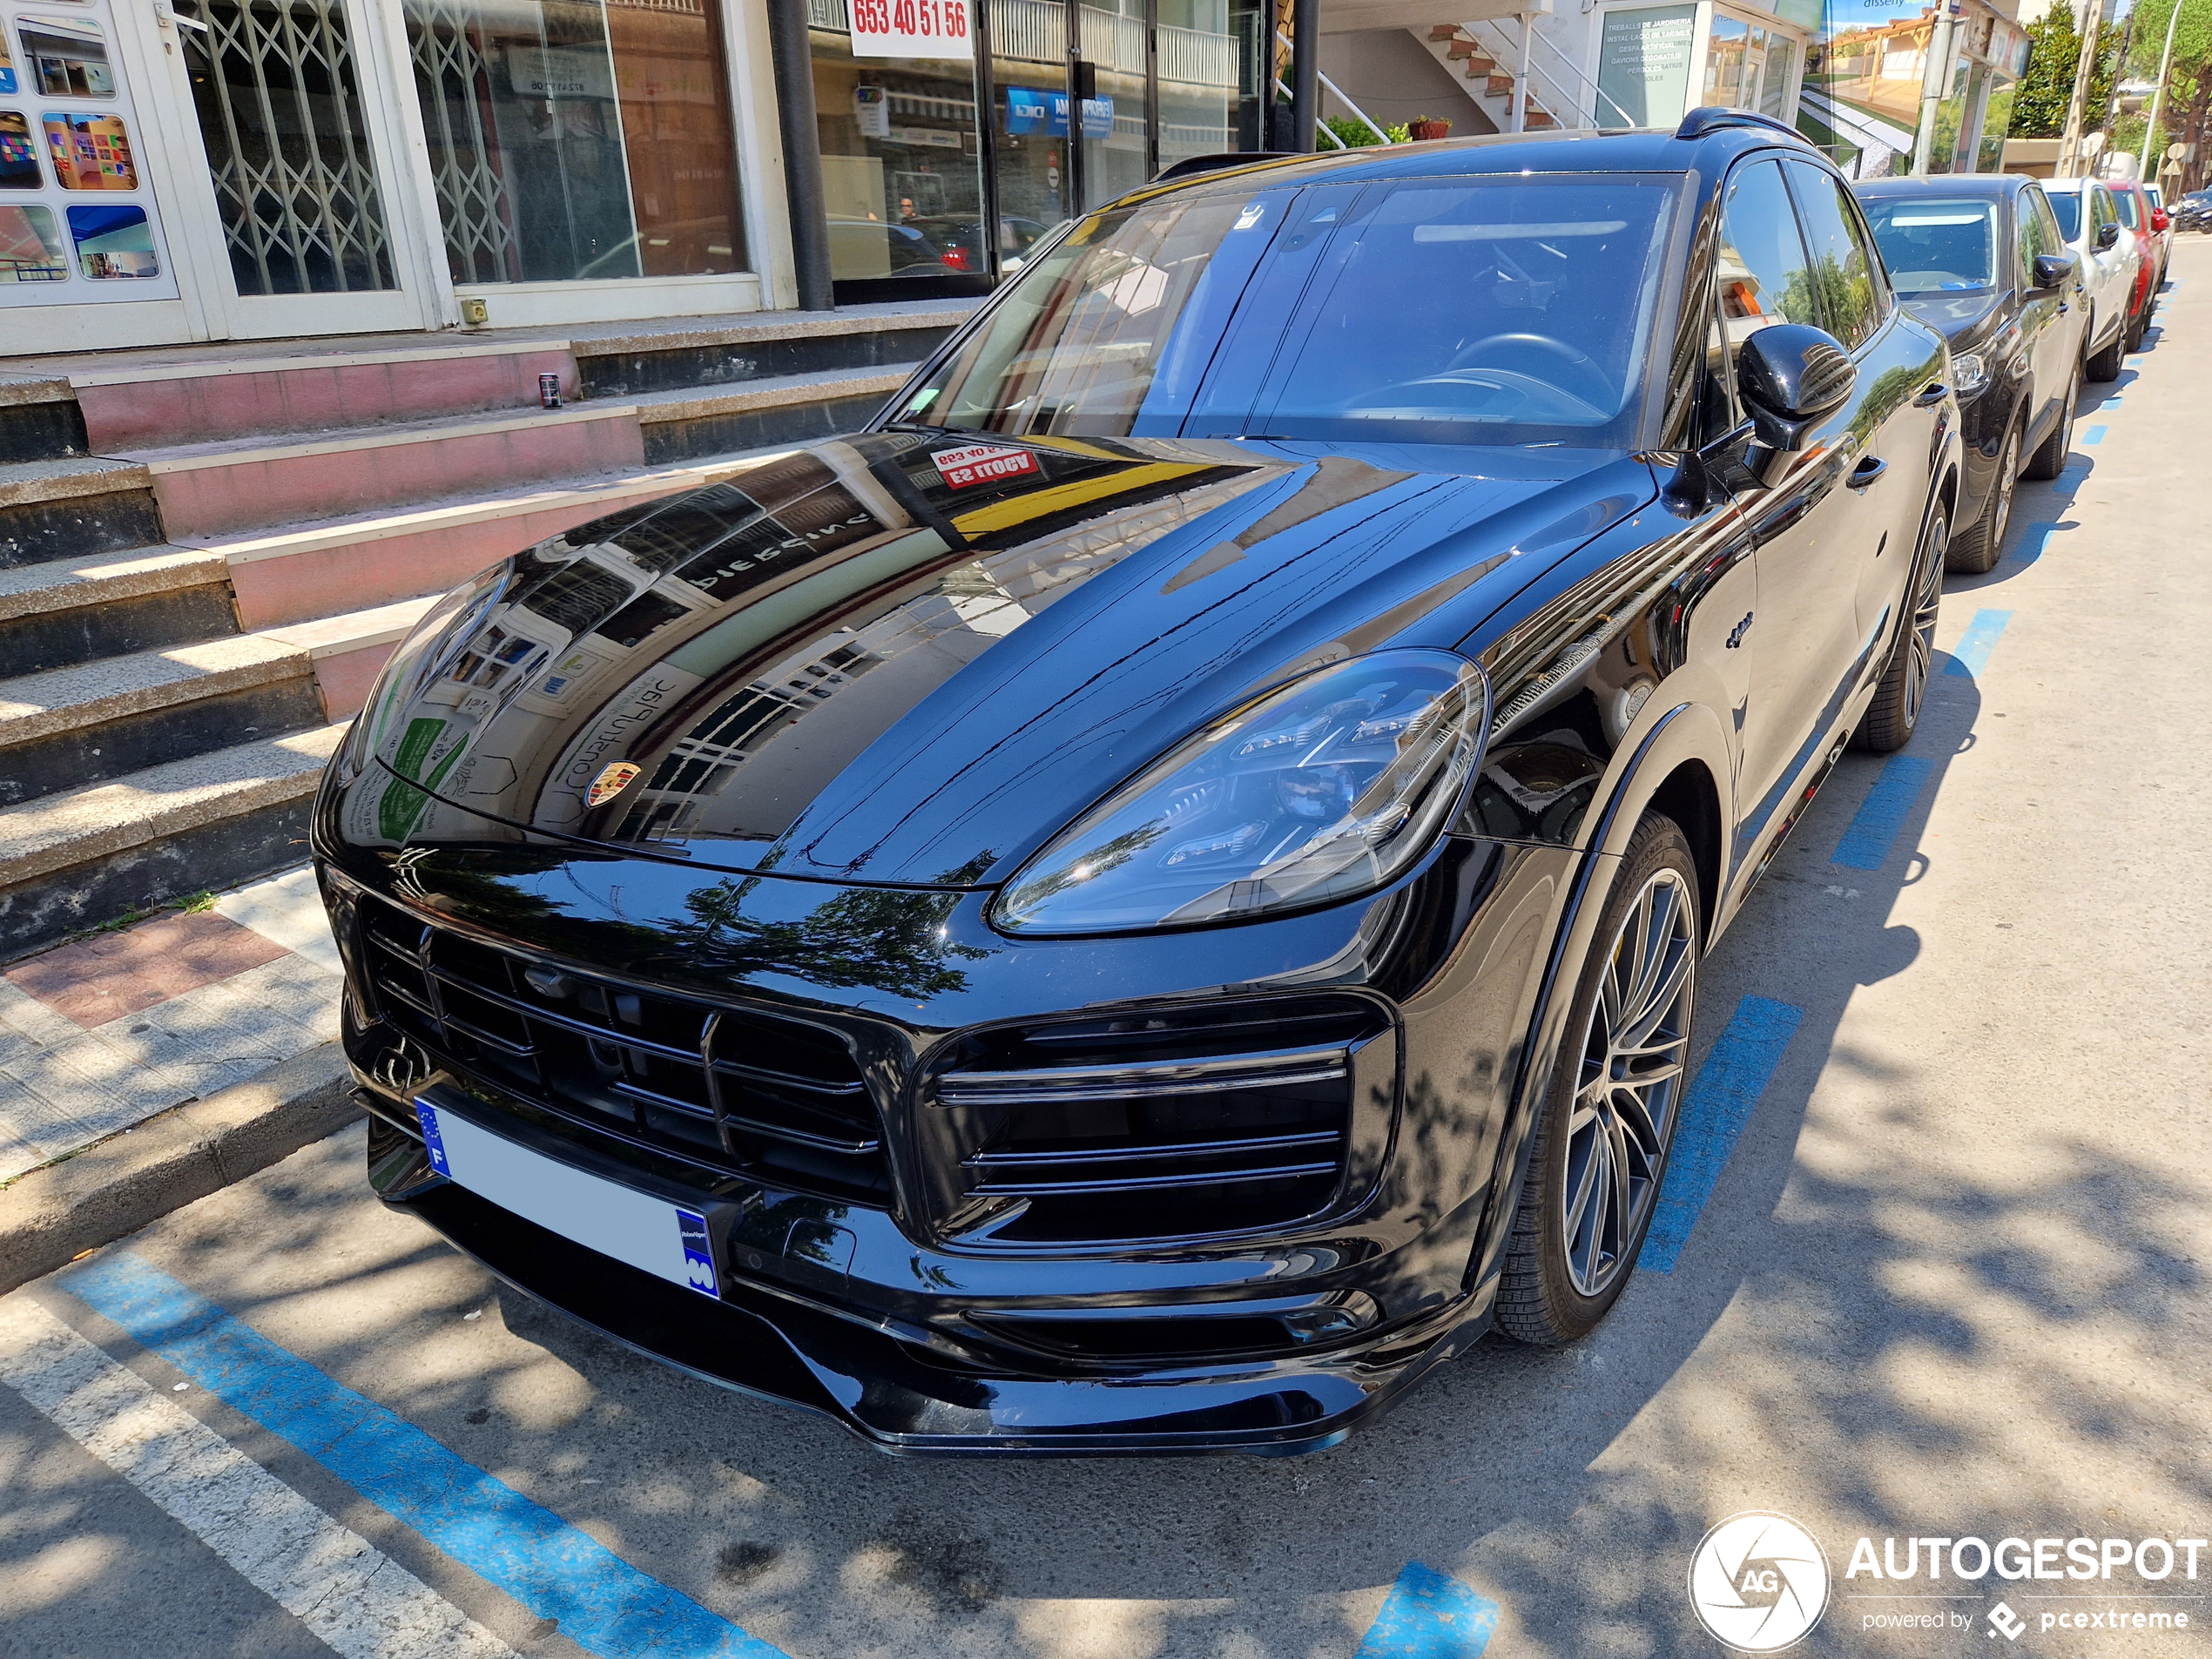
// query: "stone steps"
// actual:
[[73, 611], [89, 854]]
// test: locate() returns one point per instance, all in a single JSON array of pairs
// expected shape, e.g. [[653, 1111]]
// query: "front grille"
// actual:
[[732, 1088], [1156, 1125]]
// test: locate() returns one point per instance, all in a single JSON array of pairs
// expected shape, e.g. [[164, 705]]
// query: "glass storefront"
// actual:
[[577, 140], [912, 175]]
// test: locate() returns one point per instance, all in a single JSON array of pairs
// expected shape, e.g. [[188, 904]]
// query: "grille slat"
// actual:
[[602, 1055], [1176, 1124]]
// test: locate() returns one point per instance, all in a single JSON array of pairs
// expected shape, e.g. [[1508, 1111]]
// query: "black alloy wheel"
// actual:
[[2049, 460], [1609, 1114], [1976, 551], [1896, 709]]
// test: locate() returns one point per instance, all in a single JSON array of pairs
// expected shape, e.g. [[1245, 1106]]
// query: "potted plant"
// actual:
[[1427, 126]]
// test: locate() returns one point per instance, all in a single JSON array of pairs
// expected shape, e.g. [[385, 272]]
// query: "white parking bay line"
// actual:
[[358, 1600]]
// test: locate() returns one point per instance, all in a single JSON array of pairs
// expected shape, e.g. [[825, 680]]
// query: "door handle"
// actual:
[[1934, 394], [1867, 471]]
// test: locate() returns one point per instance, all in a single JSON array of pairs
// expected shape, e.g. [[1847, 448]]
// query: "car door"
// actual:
[[1893, 409], [2114, 277], [2050, 345], [1803, 636]]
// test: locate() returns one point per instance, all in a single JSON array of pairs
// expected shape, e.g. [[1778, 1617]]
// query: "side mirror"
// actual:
[[2107, 235], [2160, 219], [2051, 270], [1790, 376]]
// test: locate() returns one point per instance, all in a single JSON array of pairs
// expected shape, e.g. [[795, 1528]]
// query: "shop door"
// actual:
[[298, 141]]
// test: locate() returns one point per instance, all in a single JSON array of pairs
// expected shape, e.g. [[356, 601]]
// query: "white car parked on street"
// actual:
[[2110, 255]]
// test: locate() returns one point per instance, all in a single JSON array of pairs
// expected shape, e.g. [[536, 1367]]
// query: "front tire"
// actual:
[[1616, 1093], [1977, 550], [1892, 718]]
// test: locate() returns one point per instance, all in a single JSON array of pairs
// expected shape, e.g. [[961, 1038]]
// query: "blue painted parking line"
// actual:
[[2111, 403], [2035, 543], [555, 1570], [1970, 654], [2096, 435], [1430, 1615], [1713, 1113], [1866, 844], [2070, 480]]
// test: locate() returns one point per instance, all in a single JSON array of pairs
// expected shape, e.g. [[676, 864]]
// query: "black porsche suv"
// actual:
[[1155, 894]]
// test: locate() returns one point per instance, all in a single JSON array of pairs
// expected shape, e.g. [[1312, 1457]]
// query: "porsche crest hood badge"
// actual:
[[610, 783]]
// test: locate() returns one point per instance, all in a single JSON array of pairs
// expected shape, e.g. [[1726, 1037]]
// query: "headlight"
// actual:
[[1970, 372], [1322, 789]]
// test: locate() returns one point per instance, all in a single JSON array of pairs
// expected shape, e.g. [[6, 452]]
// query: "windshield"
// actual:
[[1514, 310], [2067, 206], [1931, 245]]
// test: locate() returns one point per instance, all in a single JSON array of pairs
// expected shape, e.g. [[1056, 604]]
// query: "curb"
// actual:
[[117, 1186]]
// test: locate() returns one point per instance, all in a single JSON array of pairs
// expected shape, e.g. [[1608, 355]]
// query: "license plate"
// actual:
[[651, 1234]]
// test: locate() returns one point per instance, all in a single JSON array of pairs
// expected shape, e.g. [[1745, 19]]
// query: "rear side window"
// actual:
[[1846, 273], [2125, 201], [2036, 238]]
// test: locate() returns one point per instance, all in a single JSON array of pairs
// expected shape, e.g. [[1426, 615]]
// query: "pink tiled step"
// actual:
[[235, 484], [137, 407]]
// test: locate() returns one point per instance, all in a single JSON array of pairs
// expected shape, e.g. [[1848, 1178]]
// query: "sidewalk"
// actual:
[[99, 1035]]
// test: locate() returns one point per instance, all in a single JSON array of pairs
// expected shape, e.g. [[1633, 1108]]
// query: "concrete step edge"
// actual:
[[71, 584], [354, 630], [692, 403], [233, 452], [59, 832], [364, 529], [18, 389], [433, 349], [625, 340], [50, 1216], [87, 695], [28, 484]]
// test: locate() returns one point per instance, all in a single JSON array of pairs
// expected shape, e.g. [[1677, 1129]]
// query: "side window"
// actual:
[[2030, 239], [1761, 273], [2053, 233], [2101, 212], [1845, 273], [1716, 399]]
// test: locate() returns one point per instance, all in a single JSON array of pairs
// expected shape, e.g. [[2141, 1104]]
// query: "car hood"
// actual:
[[910, 658], [1957, 317]]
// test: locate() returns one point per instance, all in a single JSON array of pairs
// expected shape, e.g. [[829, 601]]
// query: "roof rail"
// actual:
[[1712, 117], [1191, 165]]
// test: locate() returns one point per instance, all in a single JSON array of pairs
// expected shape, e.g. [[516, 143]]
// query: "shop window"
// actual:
[[572, 140], [902, 167]]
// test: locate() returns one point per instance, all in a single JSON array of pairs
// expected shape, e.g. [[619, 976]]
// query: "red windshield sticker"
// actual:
[[982, 463]]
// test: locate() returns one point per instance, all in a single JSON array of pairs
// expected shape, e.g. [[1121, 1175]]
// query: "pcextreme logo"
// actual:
[[1758, 1582]]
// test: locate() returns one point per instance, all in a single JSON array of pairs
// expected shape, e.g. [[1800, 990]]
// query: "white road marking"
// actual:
[[358, 1600]]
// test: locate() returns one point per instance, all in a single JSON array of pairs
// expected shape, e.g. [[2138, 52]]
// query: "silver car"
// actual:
[[2111, 257]]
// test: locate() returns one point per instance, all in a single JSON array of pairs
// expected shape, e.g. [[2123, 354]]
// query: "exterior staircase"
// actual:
[[1488, 56], [207, 553]]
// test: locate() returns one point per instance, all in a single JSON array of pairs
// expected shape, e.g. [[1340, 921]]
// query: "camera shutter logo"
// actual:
[[1758, 1582]]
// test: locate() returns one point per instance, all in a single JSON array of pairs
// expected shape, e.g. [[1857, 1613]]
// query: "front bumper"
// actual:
[[891, 1387]]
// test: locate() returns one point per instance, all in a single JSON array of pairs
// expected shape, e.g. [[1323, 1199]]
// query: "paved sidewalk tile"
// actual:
[[100, 1036]]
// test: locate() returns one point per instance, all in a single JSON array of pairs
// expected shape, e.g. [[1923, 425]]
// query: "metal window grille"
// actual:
[[287, 137], [453, 83]]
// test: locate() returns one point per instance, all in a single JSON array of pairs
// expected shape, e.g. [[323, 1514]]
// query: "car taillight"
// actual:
[[957, 258]]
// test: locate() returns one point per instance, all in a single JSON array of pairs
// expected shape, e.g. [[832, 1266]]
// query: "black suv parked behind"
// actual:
[[1980, 260]]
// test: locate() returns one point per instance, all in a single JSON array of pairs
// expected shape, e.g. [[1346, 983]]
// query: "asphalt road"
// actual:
[[1952, 1283]]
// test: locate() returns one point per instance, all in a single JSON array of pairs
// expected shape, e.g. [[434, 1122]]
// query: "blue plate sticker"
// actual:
[[427, 1115], [698, 1250]]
